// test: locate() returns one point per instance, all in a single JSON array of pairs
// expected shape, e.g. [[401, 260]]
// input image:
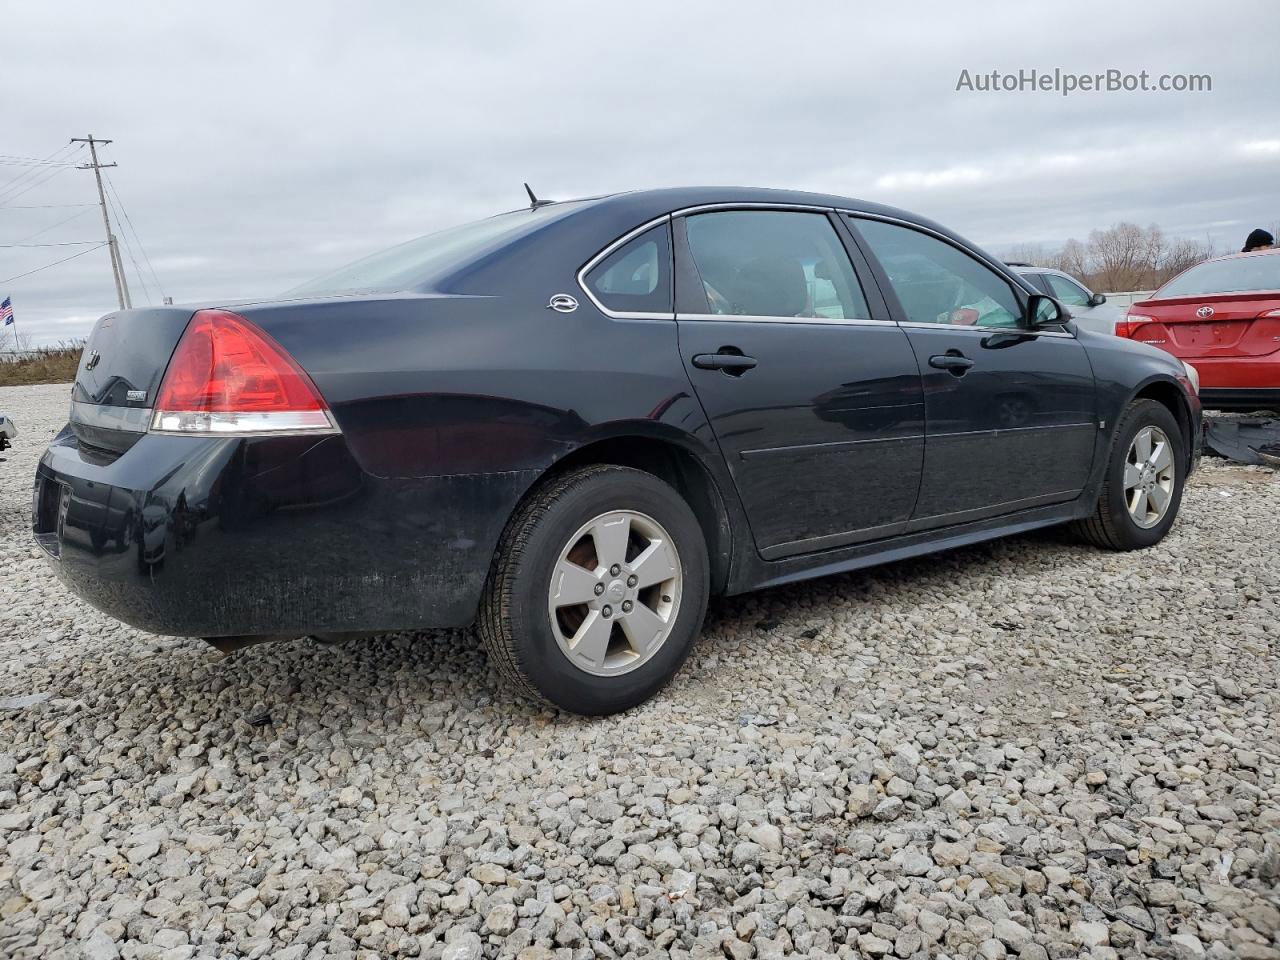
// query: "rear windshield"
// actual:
[[1235, 275], [419, 261]]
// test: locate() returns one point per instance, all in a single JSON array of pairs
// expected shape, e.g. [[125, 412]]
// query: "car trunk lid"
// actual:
[[1211, 325], [120, 371]]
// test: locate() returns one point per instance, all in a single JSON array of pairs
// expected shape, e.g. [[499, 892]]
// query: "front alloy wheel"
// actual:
[[1149, 477], [1142, 483]]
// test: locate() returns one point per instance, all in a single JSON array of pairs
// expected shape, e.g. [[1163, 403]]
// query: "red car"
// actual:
[[1223, 317]]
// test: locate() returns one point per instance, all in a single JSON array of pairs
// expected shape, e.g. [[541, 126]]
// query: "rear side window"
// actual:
[[1037, 280], [774, 263], [636, 278], [937, 283]]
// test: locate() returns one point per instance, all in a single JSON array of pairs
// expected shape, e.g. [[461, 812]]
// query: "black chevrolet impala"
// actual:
[[573, 423]]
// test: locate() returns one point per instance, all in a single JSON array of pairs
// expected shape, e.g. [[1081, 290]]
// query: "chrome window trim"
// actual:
[[753, 318], [751, 205], [668, 217], [603, 254], [988, 331], [999, 268], [995, 265]]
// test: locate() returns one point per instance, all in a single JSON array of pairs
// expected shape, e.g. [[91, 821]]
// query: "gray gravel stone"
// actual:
[[1027, 748]]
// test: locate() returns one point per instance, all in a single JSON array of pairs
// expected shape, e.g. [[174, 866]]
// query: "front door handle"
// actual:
[[957, 363], [732, 363]]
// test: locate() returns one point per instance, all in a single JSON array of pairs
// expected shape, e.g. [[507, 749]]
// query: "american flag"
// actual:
[[6, 312]]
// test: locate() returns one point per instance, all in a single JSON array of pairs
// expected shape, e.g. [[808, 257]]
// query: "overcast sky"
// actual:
[[262, 144]]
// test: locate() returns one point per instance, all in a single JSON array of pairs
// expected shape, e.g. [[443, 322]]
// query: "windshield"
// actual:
[[1234, 275], [418, 261]]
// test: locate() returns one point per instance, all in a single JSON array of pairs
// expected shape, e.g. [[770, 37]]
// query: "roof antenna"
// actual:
[[534, 202]]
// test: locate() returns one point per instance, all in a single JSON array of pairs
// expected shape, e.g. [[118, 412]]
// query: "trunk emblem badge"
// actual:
[[136, 396], [563, 303], [94, 357], [1204, 313]]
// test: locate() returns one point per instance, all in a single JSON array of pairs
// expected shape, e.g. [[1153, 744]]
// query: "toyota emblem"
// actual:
[[1204, 313]]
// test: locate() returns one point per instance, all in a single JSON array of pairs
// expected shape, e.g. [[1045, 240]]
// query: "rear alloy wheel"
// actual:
[[597, 591], [1142, 488], [615, 593]]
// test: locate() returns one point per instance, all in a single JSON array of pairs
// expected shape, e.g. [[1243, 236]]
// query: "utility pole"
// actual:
[[117, 264]]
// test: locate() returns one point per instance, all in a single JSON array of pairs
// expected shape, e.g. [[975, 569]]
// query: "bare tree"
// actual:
[[1121, 256], [1073, 258], [1032, 253], [1124, 256], [1183, 254]]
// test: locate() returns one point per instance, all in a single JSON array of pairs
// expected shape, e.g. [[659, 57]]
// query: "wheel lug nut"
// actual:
[[615, 570], [626, 606], [599, 589], [607, 612], [631, 581]]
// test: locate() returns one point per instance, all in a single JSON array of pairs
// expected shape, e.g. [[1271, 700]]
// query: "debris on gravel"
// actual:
[[1027, 749]]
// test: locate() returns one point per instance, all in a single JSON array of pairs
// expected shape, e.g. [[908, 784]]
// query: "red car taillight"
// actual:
[[1130, 324], [229, 377]]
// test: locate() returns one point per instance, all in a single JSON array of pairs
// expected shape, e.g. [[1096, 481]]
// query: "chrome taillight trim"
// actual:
[[273, 423]]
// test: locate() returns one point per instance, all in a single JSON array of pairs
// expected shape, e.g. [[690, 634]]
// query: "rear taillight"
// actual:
[[1130, 324], [229, 377]]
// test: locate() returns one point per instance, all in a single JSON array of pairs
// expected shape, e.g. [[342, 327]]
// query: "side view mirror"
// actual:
[[1097, 299], [1045, 311]]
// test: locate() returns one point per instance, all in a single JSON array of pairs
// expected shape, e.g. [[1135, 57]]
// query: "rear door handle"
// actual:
[[734, 363], [954, 362]]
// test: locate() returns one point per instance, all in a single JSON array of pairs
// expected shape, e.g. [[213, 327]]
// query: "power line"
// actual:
[[101, 244], [34, 173], [137, 239], [16, 158], [31, 185], [43, 206], [128, 247], [15, 162], [61, 243], [53, 226], [27, 173]]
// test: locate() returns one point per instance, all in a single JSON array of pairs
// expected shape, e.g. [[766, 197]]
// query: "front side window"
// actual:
[[937, 283], [1068, 291], [774, 263], [636, 278]]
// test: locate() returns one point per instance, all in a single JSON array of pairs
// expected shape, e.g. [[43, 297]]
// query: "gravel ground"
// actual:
[[1028, 748]]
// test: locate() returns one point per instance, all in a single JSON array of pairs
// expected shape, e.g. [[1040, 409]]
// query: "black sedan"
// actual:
[[573, 423]]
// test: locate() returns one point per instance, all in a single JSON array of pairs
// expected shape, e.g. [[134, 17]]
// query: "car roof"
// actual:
[[1274, 251], [648, 204]]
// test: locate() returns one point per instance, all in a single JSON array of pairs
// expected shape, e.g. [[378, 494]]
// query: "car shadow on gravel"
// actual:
[[384, 681]]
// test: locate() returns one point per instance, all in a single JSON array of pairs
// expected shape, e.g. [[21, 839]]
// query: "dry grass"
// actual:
[[55, 364]]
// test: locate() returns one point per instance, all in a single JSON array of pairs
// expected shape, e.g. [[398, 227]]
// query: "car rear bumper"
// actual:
[[194, 536], [1242, 399]]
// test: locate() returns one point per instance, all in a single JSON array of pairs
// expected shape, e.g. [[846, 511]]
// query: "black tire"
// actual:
[[514, 623], [1111, 526]]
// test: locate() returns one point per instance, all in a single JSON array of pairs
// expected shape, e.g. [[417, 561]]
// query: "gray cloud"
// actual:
[[260, 144]]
